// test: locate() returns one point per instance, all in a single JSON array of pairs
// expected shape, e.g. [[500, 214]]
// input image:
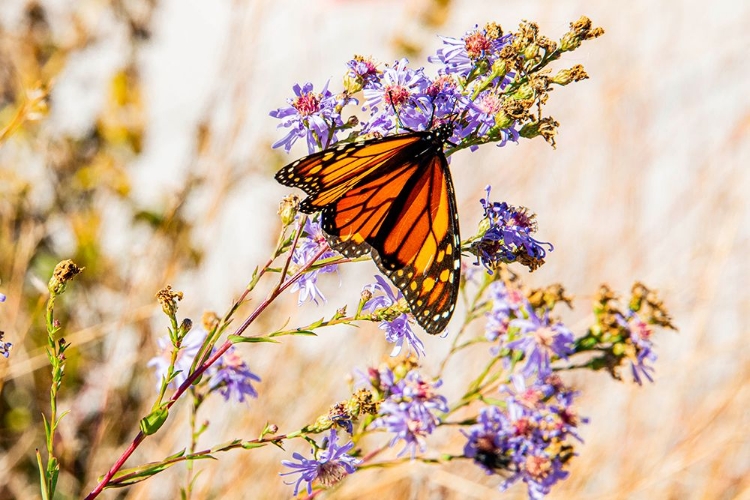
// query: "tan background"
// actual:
[[649, 181]]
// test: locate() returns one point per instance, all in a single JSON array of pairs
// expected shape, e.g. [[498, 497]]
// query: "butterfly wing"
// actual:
[[412, 227], [393, 197], [328, 175]]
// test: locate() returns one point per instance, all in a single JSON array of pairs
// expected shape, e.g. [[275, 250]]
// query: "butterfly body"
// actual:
[[392, 197]]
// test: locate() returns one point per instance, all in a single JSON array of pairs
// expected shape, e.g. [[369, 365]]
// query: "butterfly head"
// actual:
[[443, 132]]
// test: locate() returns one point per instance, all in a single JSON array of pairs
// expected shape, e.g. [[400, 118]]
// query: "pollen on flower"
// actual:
[[476, 44], [538, 467], [396, 95], [490, 104], [366, 66], [441, 84], [307, 103]]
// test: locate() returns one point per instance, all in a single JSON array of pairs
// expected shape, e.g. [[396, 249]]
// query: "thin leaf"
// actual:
[[239, 339]]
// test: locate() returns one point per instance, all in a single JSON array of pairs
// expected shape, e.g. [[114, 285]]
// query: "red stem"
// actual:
[[199, 371]]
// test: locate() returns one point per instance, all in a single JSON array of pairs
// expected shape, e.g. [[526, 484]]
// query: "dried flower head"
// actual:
[[65, 271]]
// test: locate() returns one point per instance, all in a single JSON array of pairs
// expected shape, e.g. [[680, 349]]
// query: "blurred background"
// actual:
[[150, 164]]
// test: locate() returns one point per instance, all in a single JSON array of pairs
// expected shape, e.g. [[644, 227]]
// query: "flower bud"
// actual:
[[64, 272], [352, 83], [502, 121], [168, 300], [546, 127], [499, 68], [186, 326], [288, 209], [566, 76], [579, 31], [531, 52]]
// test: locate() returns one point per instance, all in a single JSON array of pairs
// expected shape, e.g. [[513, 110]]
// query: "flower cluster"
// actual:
[[529, 439], [409, 406], [230, 376], [308, 246], [386, 304], [506, 237], [487, 84], [315, 116], [189, 347], [523, 327], [332, 464], [625, 334]]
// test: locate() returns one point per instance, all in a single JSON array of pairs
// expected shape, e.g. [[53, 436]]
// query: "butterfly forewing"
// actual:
[[326, 176], [392, 197]]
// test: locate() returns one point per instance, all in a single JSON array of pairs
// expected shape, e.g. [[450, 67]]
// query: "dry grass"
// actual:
[[166, 177]]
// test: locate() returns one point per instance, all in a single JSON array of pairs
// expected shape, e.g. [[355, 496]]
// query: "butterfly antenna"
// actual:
[[432, 114], [395, 112]]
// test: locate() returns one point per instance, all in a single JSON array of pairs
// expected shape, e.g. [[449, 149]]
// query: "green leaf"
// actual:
[[153, 421], [225, 446], [238, 339], [53, 472], [250, 446], [42, 481], [306, 333]]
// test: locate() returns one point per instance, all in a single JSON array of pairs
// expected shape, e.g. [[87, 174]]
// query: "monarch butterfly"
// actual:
[[392, 197]]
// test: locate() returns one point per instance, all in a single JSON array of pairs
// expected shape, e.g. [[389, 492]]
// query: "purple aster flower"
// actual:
[[480, 119], [409, 411], [481, 113], [307, 247], [540, 473], [642, 348], [191, 344], [508, 237], [401, 88], [397, 419], [233, 378], [397, 330], [421, 395], [462, 55], [549, 400], [363, 71], [541, 341], [333, 465], [2, 297], [379, 125], [380, 379], [528, 440], [443, 92], [4, 346], [487, 442], [312, 115], [507, 303]]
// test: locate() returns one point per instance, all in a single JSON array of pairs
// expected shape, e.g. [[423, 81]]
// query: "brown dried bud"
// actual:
[[288, 209], [549, 296], [168, 300], [64, 272], [579, 31], [566, 76], [546, 127]]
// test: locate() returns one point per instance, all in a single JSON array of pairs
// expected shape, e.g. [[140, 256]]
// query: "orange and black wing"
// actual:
[[328, 175], [394, 197]]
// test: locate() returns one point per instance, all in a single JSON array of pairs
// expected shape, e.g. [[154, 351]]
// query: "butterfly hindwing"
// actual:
[[421, 253]]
